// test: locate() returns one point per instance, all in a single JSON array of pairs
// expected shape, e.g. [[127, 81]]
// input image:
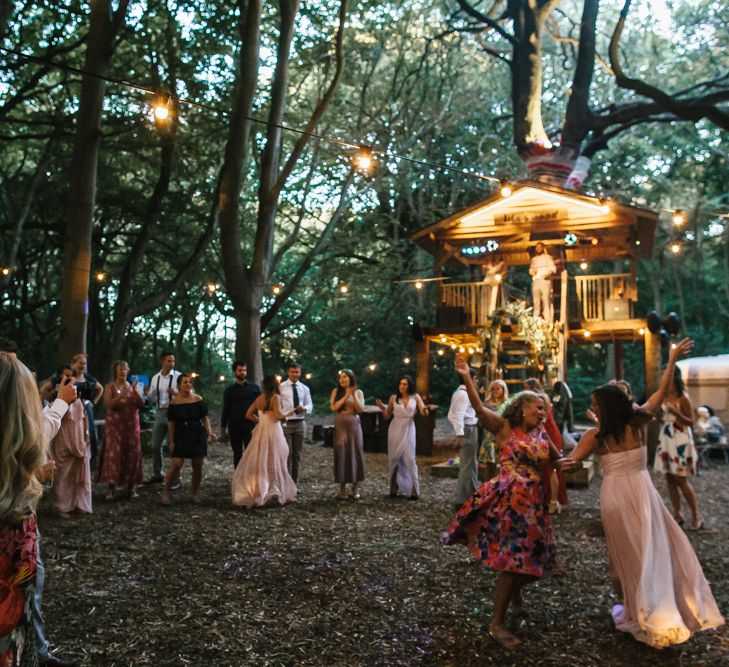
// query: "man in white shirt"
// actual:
[[541, 269], [297, 397], [462, 417], [162, 389]]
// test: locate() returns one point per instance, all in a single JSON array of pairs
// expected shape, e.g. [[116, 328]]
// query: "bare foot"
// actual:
[[503, 636], [165, 499]]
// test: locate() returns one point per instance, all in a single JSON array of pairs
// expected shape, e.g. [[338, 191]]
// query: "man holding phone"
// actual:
[[162, 389]]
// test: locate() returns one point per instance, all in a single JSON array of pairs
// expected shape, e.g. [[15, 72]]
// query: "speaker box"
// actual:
[[617, 309], [450, 316]]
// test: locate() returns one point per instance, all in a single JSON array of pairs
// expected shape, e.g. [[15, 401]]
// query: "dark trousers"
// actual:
[[240, 435], [294, 432]]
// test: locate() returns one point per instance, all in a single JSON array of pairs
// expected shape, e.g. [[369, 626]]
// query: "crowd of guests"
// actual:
[[506, 521]]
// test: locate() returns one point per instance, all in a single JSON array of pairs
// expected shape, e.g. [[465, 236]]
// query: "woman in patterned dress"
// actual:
[[676, 453], [506, 522], [120, 462]]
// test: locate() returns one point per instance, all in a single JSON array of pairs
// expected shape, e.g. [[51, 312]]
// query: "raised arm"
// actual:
[[387, 410], [491, 420], [677, 351]]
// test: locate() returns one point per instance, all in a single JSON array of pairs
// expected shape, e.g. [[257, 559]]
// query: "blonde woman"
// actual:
[[23, 451], [496, 400]]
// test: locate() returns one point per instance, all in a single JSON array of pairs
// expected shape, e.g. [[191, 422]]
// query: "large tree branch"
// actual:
[[487, 20], [693, 110]]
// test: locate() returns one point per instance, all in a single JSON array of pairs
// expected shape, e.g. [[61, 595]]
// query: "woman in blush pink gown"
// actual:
[[262, 474], [665, 597], [71, 451]]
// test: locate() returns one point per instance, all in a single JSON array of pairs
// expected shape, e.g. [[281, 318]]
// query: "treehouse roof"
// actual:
[[538, 212]]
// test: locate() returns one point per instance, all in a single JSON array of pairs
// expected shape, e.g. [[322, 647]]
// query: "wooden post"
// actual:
[[564, 333], [652, 343], [422, 368], [618, 345]]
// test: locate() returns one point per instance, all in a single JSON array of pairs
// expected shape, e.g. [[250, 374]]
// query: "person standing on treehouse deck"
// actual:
[[541, 269]]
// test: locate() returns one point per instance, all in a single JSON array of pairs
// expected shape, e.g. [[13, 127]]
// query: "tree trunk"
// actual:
[[103, 29]]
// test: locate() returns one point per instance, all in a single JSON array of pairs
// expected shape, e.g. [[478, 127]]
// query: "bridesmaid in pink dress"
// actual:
[[665, 597], [71, 451], [120, 462]]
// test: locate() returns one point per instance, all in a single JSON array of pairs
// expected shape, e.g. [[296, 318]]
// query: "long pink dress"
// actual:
[[666, 597], [120, 461], [71, 452], [262, 474]]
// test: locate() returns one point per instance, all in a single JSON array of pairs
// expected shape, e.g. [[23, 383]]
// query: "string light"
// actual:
[[443, 339], [278, 378], [211, 287], [5, 270], [605, 206], [194, 375], [372, 367], [221, 378], [308, 376], [461, 349], [100, 277], [343, 288], [586, 333], [418, 285], [162, 109], [584, 265], [470, 350], [675, 248], [364, 160], [453, 346], [441, 352], [276, 289], [497, 277], [678, 217], [505, 188], [641, 331], [406, 360], [594, 240]]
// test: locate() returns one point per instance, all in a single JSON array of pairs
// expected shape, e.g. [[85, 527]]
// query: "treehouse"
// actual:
[[488, 318]]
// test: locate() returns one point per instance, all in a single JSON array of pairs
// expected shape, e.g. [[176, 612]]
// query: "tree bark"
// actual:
[[104, 27]]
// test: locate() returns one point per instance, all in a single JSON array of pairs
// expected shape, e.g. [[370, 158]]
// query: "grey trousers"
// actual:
[[294, 432], [159, 435], [468, 474]]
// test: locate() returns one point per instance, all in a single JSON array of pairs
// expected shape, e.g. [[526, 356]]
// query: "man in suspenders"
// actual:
[[161, 390]]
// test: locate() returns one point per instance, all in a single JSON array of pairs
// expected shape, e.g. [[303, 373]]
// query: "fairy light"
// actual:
[[418, 285], [443, 339], [5, 270], [406, 360], [221, 378], [308, 376], [344, 288], [461, 349], [441, 352], [675, 248], [100, 276], [453, 346], [505, 188], [372, 367], [161, 109], [211, 287], [276, 289], [678, 217], [470, 350]]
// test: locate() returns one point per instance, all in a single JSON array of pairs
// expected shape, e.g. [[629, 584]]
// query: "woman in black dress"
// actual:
[[188, 430]]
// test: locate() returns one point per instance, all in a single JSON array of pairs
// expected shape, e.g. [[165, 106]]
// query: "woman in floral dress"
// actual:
[[120, 462], [506, 523]]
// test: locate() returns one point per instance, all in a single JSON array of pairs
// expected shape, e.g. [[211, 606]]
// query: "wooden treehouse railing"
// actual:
[[601, 297]]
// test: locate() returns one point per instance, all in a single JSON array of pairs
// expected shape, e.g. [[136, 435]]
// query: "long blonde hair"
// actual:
[[22, 445]]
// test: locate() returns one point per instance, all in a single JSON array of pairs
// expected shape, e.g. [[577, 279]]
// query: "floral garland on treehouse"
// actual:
[[542, 336]]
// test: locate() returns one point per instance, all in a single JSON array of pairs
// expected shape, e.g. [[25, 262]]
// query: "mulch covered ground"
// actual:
[[322, 582]]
